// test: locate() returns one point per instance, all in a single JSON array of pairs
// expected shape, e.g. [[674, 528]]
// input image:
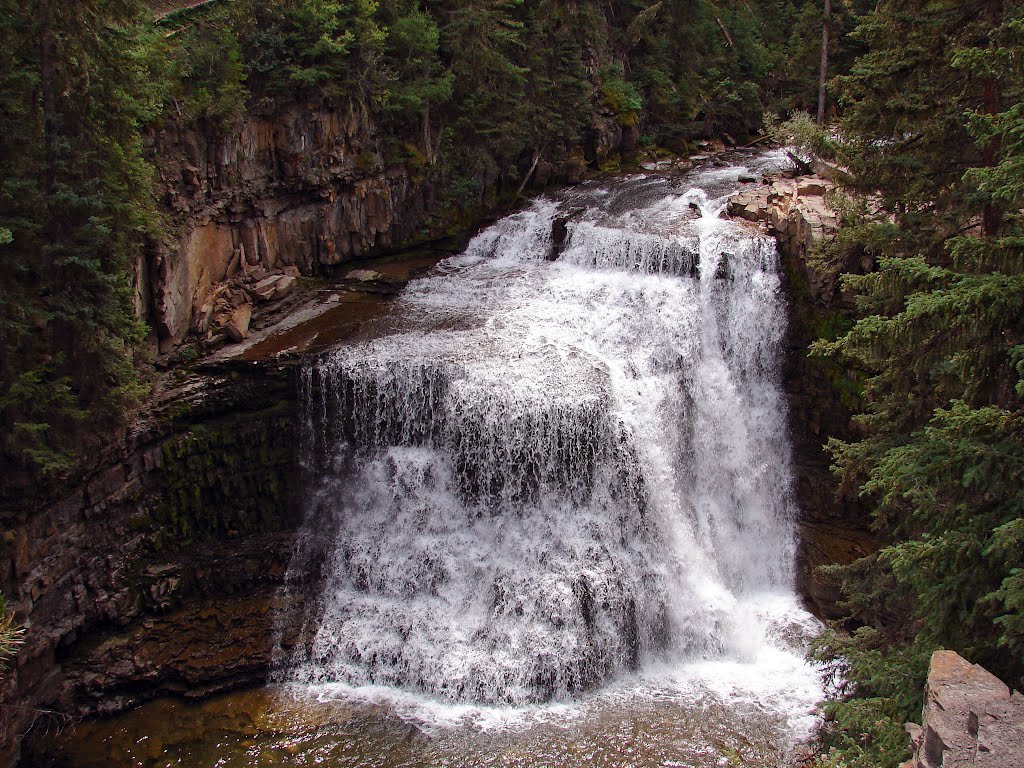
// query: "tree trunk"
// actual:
[[428, 144], [536, 159], [825, 28]]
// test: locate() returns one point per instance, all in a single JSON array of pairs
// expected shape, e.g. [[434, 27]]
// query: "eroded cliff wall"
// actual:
[[309, 187], [155, 568]]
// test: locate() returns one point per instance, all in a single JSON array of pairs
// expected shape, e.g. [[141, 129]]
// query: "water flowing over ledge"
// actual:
[[560, 469]]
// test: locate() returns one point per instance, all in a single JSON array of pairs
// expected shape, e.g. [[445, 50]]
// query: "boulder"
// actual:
[[238, 324], [812, 188], [204, 316], [970, 719], [364, 275], [285, 284], [265, 288]]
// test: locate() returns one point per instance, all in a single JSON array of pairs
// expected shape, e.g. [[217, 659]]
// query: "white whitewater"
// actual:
[[541, 479]]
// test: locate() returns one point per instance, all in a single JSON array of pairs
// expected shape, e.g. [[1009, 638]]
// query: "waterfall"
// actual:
[[537, 476]]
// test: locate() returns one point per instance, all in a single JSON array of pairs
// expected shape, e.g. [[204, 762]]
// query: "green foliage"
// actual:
[[621, 96], [76, 84], [940, 457], [803, 133], [11, 635], [417, 81], [878, 689], [211, 72]]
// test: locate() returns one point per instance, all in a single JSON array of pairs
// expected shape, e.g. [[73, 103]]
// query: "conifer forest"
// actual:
[[425, 351]]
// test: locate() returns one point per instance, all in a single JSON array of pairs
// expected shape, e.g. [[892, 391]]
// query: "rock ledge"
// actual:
[[970, 718]]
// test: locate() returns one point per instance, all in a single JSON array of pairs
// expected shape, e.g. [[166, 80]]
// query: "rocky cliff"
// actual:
[[154, 568], [970, 718], [308, 187]]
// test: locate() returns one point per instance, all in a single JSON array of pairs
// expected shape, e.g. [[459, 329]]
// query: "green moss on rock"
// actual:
[[231, 477]]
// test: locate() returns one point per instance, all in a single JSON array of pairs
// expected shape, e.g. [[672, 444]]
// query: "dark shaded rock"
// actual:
[[559, 234], [140, 534]]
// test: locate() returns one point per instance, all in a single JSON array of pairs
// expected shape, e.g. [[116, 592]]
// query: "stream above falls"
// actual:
[[549, 517]]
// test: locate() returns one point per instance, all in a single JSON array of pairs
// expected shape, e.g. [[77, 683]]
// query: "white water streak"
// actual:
[[588, 474]]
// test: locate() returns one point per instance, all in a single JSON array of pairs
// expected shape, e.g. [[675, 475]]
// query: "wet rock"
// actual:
[[93, 557], [238, 325], [364, 275], [559, 233]]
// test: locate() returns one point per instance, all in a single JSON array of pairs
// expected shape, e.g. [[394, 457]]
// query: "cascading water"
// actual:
[[540, 478]]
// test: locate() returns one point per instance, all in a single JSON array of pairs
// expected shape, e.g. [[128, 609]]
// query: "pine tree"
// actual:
[[80, 79], [941, 342]]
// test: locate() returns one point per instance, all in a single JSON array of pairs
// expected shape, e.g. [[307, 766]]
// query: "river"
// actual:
[[549, 518]]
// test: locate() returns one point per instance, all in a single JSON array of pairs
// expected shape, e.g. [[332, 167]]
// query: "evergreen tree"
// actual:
[[79, 79], [941, 341]]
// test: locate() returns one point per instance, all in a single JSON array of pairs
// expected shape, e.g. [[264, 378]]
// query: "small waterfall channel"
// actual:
[[556, 479]]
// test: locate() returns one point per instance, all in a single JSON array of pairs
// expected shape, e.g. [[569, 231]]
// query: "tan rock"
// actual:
[[238, 324], [812, 188], [364, 275], [285, 284], [264, 289], [204, 316], [970, 719]]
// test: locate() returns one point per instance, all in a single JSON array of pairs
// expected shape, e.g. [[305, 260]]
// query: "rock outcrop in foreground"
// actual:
[[970, 718]]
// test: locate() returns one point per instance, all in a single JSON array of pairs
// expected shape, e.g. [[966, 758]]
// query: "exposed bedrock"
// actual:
[[970, 718], [307, 187], [155, 569]]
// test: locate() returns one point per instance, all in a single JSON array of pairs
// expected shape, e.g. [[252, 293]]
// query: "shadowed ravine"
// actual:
[[549, 517]]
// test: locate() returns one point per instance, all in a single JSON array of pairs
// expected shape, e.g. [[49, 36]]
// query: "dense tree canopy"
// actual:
[[475, 91], [933, 126], [77, 81]]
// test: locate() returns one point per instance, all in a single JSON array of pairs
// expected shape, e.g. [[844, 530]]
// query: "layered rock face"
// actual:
[[970, 718], [307, 187], [156, 569], [795, 211], [304, 189]]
